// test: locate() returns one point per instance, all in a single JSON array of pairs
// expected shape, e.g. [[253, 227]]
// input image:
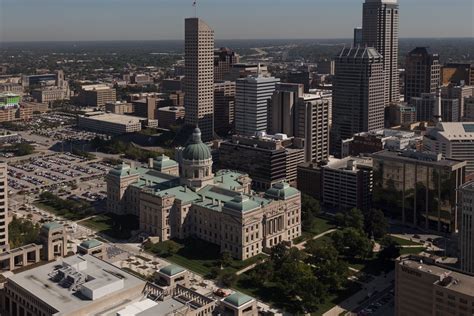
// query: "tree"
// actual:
[[170, 248], [226, 259], [327, 267], [228, 279], [310, 208], [22, 232], [353, 218], [310, 205], [24, 149], [279, 254], [260, 274], [390, 251], [295, 279], [375, 223], [352, 243]]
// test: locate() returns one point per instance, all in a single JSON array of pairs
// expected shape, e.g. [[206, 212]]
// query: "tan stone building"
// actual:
[[218, 208], [423, 287], [92, 247], [199, 79]]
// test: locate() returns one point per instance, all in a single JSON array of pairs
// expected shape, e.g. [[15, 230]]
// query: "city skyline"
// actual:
[[53, 20]]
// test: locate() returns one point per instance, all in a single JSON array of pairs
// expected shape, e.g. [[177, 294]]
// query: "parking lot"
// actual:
[[57, 172]]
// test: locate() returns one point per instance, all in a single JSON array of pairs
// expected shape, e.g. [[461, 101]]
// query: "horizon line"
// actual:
[[221, 39]]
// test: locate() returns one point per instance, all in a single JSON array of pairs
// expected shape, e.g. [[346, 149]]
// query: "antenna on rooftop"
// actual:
[[195, 8]]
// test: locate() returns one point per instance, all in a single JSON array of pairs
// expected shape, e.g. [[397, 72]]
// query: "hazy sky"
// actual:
[[41, 20]]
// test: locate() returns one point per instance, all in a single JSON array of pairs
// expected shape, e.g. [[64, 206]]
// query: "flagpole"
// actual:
[[195, 8]]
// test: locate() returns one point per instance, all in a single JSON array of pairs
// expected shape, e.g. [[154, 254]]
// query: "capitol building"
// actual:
[[186, 199]]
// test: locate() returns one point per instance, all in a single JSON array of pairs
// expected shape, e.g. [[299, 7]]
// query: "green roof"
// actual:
[[242, 203], [92, 243], [123, 170], [238, 299], [229, 179], [172, 269], [186, 195], [196, 149], [52, 225], [281, 191], [163, 162]]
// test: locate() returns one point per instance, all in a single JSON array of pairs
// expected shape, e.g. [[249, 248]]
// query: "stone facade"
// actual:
[[219, 208]]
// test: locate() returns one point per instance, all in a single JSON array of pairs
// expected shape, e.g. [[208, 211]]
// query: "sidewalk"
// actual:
[[302, 245]]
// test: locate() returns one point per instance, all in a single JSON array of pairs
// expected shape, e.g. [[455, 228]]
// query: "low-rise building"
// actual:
[[50, 94], [11, 87], [92, 247], [109, 123], [218, 208], [96, 95], [371, 142], [169, 115], [348, 183], [341, 184], [425, 287], [119, 107]]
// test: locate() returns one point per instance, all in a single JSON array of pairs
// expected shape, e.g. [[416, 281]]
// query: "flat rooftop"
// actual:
[[163, 308], [38, 282], [460, 282], [114, 118], [343, 164], [454, 130], [443, 162]]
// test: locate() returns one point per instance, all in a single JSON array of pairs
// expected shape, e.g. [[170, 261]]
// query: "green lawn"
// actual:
[[67, 214], [320, 226], [197, 255], [115, 226], [404, 242], [411, 251]]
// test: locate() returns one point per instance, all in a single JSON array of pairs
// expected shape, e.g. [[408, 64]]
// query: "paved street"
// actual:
[[378, 284]]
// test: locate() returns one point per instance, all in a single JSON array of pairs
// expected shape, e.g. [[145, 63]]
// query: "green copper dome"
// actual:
[[196, 149]]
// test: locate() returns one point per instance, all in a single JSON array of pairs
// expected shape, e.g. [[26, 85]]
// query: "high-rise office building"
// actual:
[[466, 228], [422, 72], [296, 114], [224, 59], [199, 79], [358, 41], [457, 74], [468, 109], [312, 124], [251, 103], [380, 24], [3, 208], [424, 106], [358, 94], [302, 77], [281, 108], [224, 106], [459, 92], [450, 110]]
